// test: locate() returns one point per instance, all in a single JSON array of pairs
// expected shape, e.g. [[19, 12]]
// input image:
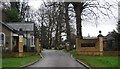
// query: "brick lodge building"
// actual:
[[9, 36]]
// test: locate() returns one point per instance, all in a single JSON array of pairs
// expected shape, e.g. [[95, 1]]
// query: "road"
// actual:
[[55, 58]]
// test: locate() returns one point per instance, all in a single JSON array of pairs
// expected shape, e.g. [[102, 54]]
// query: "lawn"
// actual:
[[98, 61], [0, 62], [16, 62]]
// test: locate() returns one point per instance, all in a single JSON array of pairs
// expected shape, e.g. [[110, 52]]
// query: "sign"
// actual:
[[88, 44], [20, 38]]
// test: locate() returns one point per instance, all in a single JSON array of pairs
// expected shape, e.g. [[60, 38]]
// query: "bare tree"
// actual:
[[54, 16], [91, 9]]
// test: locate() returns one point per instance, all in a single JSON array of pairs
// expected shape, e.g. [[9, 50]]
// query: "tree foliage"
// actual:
[[13, 15], [112, 41], [11, 12], [118, 27]]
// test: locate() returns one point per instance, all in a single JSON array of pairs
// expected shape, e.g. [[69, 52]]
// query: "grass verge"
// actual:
[[16, 62], [98, 62], [0, 62]]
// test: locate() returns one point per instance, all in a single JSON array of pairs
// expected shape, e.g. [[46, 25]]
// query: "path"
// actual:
[[55, 58]]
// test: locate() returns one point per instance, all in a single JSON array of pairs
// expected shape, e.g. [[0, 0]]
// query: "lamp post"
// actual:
[[20, 43]]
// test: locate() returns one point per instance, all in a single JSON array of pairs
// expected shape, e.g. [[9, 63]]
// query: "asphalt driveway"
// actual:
[[55, 58]]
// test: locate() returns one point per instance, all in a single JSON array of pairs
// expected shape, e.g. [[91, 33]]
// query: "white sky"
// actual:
[[35, 4], [104, 25]]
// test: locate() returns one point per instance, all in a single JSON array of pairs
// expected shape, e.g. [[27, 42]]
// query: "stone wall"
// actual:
[[111, 53], [89, 46], [8, 37]]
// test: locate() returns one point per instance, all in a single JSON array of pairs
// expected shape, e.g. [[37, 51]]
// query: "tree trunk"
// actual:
[[56, 37], [78, 7], [67, 24]]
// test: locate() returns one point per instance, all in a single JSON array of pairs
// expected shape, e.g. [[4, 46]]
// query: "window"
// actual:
[[32, 41], [2, 39]]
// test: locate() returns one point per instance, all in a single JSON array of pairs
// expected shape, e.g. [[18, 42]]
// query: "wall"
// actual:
[[111, 53], [93, 50], [8, 37]]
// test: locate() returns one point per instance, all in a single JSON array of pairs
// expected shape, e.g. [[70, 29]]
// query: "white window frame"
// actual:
[[32, 41], [4, 38]]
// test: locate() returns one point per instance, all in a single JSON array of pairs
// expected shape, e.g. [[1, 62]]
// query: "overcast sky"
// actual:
[[105, 25]]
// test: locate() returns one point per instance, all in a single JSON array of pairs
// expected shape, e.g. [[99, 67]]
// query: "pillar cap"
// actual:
[[100, 35]]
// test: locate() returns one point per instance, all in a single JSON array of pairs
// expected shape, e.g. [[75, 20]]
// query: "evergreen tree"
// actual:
[[13, 15]]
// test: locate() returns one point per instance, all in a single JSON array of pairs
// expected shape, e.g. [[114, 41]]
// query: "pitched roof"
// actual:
[[109, 37], [10, 28], [23, 26]]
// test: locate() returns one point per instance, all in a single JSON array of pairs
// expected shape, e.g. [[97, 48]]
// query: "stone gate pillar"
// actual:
[[20, 53], [100, 37], [37, 45], [20, 45]]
